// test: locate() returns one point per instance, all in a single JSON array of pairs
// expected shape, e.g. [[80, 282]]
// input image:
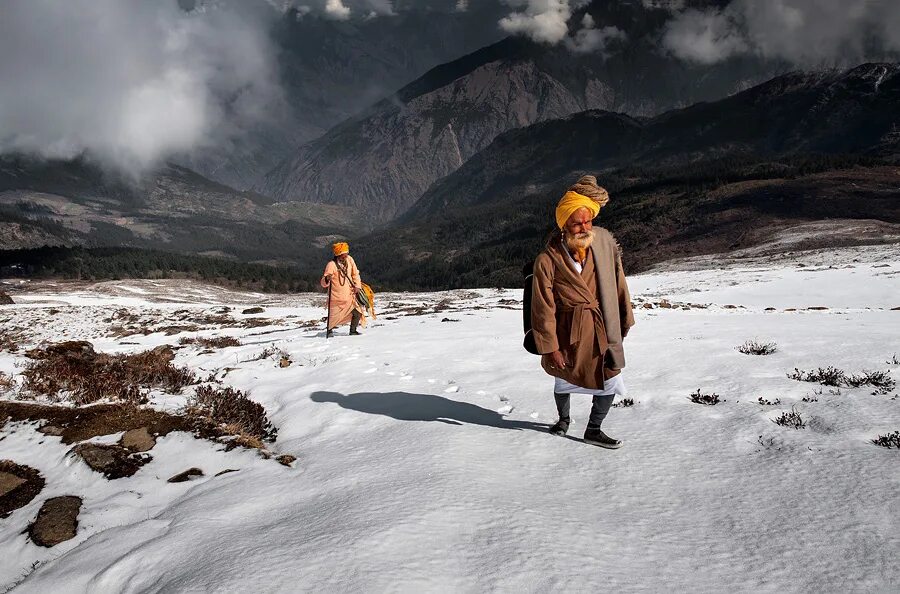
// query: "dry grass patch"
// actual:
[[832, 376], [235, 413], [707, 399], [6, 382], [891, 440], [215, 342], [73, 371], [790, 419], [753, 347]]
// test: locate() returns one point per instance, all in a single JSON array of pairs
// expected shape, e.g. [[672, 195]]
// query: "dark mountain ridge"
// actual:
[[383, 160], [801, 147]]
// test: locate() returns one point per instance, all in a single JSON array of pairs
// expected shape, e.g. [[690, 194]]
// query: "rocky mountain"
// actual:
[[714, 176], [330, 70], [77, 203], [383, 160]]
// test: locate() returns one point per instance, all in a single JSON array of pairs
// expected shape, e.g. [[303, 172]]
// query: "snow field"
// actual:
[[424, 465]]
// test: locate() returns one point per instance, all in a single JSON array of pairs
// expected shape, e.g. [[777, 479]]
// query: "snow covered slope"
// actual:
[[424, 465]]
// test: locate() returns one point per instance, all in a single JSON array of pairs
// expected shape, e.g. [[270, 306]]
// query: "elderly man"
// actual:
[[581, 309], [342, 280]]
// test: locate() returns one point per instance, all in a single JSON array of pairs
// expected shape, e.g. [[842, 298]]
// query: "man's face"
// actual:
[[342, 258], [580, 223]]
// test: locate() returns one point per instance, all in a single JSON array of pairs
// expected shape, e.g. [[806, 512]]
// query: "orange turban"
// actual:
[[341, 247], [572, 201]]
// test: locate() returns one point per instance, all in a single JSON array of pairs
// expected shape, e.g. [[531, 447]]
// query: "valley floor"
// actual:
[[423, 462]]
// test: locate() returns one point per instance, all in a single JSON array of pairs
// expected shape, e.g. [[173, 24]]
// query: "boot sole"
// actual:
[[608, 446]]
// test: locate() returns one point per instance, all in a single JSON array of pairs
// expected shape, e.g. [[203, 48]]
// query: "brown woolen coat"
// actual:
[[570, 313]]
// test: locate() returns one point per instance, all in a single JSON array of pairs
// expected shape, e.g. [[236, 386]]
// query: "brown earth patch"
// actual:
[[19, 484], [78, 424]]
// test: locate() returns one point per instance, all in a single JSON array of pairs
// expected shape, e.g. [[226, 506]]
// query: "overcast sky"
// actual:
[[133, 81]]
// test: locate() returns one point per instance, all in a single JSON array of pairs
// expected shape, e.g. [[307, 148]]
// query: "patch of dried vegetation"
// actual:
[[234, 412], [214, 342], [73, 371]]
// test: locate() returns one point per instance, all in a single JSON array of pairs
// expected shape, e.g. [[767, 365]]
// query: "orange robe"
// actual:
[[343, 300]]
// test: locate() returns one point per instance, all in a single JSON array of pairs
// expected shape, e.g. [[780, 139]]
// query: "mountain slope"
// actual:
[[384, 160], [330, 70], [708, 178], [76, 203]]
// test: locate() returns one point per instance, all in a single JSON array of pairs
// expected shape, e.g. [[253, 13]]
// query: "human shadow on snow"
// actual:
[[405, 406]]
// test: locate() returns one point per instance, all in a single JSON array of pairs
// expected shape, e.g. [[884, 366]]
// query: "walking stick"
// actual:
[[328, 315]]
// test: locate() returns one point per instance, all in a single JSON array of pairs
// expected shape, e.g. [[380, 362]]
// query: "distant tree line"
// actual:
[[95, 264]]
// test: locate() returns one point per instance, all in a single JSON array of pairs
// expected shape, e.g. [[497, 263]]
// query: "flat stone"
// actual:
[[253, 310], [185, 476], [56, 522], [113, 461], [8, 482], [138, 440], [52, 430]]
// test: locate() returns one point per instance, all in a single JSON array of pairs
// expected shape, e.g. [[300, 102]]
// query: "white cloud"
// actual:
[[803, 32], [591, 39], [704, 37], [127, 82], [337, 10], [543, 21]]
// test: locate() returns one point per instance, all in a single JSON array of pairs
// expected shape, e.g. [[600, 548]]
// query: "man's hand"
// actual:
[[557, 360]]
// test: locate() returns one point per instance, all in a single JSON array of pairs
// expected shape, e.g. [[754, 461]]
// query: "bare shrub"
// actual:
[[235, 412], [753, 347], [832, 376], [8, 342], [765, 402], [827, 376], [880, 380], [790, 419], [707, 399], [891, 440], [75, 371], [6, 382], [215, 342], [624, 403]]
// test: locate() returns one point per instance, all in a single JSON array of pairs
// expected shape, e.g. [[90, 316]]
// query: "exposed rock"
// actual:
[[284, 362], [226, 471], [53, 430], [254, 310], [9, 482], [286, 459], [5, 299], [138, 440], [182, 477], [19, 484], [56, 522], [112, 460]]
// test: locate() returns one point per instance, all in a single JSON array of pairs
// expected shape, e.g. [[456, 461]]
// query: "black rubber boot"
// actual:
[[561, 427], [596, 436]]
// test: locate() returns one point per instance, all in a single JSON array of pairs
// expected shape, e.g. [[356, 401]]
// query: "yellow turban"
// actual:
[[340, 247], [572, 201]]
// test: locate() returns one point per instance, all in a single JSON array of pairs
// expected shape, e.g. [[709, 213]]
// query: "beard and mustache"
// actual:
[[578, 243]]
